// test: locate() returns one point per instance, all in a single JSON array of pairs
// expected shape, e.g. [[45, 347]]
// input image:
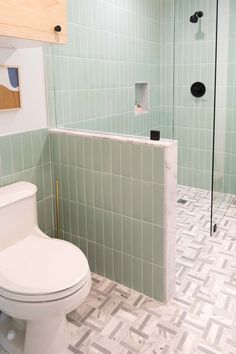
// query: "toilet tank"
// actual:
[[18, 213]]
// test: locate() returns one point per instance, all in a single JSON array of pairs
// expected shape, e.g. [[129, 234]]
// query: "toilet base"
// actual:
[[48, 337]]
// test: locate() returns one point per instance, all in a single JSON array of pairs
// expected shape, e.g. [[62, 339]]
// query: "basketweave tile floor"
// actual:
[[202, 316]]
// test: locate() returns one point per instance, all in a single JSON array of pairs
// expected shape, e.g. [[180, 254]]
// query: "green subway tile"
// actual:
[[6, 180], [97, 155], [89, 187], [118, 267], [136, 199], [45, 141], [82, 221], [90, 223], [158, 249], [158, 204], [27, 151], [64, 182], [116, 157], [92, 256], [136, 161], [55, 148], [147, 163], [67, 236], [127, 235], [83, 244], [126, 196], [106, 156], [72, 183], [75, 240], [107, 192], [64, 149], [66, 215], [6, 155], [41, 215], [47, 178], [17, 153], [109, 263], [72, 150], [148, 279], [18, 177], [127, 271], [98, 189], [37, 148], [148, 242], [29, 177], [56, 175], [81, 185], [147, 201], [99, 226], [137, 238], [80, 151], [74, 218], [39, 182], [117, 232], [100, 262], [88, 153], [108, 229], [137, 275], [126, 159], [116, 194]]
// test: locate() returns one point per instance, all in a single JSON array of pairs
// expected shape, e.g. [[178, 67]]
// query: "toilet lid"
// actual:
[[41, 265]]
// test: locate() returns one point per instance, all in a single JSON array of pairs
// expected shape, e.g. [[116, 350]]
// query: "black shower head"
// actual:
[[194, 18]]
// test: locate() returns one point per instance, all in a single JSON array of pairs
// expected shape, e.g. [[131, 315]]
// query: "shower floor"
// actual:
[[202, 316]]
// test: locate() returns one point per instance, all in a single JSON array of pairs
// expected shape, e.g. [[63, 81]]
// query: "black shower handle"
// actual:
[[198, 89]]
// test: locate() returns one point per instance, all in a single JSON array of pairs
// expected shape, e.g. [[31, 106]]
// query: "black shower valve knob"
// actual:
[[194, 18], [198, 89]]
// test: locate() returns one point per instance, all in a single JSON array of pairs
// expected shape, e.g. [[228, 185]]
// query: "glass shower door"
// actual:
[[224, 147]]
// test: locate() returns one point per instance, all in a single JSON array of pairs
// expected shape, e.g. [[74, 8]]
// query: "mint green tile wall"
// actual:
[[112, 197], [193, 118], [26, 157], [91, 80], [167, 16], [194, 61], [226, 153]]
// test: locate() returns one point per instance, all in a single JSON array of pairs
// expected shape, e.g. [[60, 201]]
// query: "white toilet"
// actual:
[[41, 279]]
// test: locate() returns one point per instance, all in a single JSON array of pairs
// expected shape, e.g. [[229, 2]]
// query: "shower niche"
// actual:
[[141, 98]]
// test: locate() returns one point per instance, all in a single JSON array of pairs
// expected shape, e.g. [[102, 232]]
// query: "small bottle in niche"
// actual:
[[138, 107]]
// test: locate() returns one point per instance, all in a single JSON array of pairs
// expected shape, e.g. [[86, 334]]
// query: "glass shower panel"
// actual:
[[113, 46], [224, 174], [193, 117], [167, 67]]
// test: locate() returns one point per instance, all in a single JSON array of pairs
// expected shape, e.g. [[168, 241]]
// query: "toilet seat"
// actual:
[[44, 269]]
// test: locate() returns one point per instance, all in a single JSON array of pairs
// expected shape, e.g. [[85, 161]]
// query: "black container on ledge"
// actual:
[[155, 134]]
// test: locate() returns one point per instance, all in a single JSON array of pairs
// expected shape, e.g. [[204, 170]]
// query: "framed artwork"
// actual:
[[10, 97]]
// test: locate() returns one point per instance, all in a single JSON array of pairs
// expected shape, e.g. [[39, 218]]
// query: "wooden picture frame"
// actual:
[[10, 89]]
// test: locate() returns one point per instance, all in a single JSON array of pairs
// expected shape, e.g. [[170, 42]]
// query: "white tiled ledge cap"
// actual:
[[163, 143]]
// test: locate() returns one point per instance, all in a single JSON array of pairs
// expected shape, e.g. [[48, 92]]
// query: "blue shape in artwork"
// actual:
[[13, 77]]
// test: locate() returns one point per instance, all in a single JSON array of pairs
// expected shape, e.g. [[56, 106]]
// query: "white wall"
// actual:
[[33, 114]]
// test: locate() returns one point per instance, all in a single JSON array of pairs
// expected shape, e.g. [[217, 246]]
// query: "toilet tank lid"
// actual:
[[16, 191]]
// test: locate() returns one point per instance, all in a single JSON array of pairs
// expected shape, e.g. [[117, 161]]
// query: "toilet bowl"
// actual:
[[41, 279]]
